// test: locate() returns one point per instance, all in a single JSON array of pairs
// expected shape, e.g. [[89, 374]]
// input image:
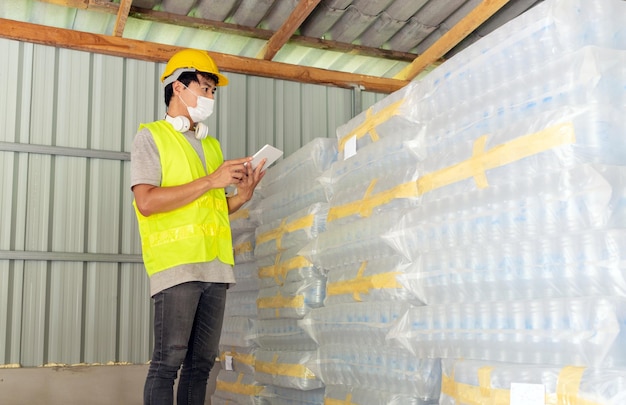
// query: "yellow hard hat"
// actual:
[[191, 60]]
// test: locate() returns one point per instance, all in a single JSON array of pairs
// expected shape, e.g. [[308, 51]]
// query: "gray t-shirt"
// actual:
[[145, 168]]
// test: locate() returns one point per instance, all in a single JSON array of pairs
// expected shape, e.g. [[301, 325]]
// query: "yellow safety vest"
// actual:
[[199, 231]]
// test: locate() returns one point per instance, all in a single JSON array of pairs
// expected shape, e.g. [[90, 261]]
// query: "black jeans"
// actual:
[[187, 327]]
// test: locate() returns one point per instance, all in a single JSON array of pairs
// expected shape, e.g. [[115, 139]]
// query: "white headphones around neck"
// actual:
[[182, 124]]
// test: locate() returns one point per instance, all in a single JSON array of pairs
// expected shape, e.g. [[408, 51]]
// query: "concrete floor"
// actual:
[[78, 385]]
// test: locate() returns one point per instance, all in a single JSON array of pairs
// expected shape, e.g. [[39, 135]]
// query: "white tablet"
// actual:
[[267, 152]]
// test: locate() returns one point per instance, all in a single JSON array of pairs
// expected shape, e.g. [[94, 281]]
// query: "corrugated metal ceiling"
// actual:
[[368, 37]]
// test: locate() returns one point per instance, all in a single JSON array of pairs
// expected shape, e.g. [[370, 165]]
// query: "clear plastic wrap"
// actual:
[[356, 323], [286, 369], [354, 242], [380, 368], [390, 115], [237, 387], [366, 396], [239, 359], [243, 247], [548, 204], [570, 265], [468, 382], [291, 300], [246, 276], [285, 267], [586, 331], [290, 396], [239, 331], [241, 303], [283, 334], [302, 166], [370, 280], [293, 230], [290, 200], [246, 218]]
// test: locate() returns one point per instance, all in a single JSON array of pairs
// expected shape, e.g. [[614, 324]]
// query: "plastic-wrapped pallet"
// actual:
[[371, 280], [291, 200], [239, 331], [246, 218], [555, 233], [388, 162], [289, 396], [240, 388], [239, 359], [467, 382], [522, 45], [586, 331], [286, 267], [354, 242], [243, 246], [291, 300], [383, 368], [293, 230], [303, 165], [287, 369], [361, 324], [241, 303], [348, 395], [247, 277], [283, 334], [391, 115]]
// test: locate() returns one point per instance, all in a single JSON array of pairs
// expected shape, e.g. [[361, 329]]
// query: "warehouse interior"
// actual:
[[446, 225]]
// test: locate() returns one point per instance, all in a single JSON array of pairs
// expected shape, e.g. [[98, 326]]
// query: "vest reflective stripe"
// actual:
[[198, 232]]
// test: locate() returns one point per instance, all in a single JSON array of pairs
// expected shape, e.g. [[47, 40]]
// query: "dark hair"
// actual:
[[186, 78]]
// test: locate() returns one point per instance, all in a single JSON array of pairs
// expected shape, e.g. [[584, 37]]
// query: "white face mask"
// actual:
[[203, 108]]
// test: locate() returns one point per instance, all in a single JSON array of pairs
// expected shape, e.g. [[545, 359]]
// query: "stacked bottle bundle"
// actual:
[[551, 236], [287, 369], [345, 395], [288, 396], [238, 347], [293, 230], [293, 211], [584, 331], [470, 382], [239, 388], [305, 164], [389, 116], [523, 45], [291, 184]]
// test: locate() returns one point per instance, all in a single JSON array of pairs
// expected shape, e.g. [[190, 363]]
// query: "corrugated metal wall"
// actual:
[[72, 286]]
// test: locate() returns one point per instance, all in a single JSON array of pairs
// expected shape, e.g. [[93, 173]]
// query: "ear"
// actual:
[[177, 87]]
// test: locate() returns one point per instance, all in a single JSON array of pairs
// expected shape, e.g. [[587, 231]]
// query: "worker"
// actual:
[[178, 179]]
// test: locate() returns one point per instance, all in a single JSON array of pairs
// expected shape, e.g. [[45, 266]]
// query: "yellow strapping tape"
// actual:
[[279, 271], [347, 401], [278, 233], [475, 167], [516, 149], [363, 285], [240, 214], [366, 206], [280, 301], [470, 395], [244, 247], [289, 370], [371, 122], [238, 387], [568, 384], [484, 380]]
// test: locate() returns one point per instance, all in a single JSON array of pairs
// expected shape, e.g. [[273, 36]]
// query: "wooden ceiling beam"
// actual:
[[129, 48], [450, 39], [240, 30], [286, 31], [122, 16]]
